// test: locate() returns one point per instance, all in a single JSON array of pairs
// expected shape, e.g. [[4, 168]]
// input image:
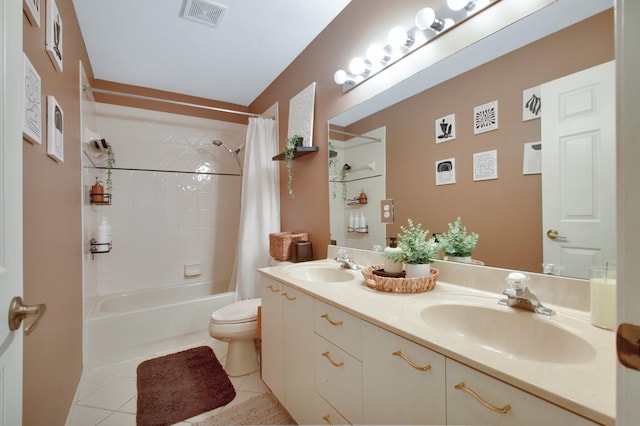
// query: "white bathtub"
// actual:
[[126, 326]]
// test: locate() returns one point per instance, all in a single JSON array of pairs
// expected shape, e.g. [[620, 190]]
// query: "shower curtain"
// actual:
[[260, 208]]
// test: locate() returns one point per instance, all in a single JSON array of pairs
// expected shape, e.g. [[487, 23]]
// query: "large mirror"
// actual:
[[393, 152]]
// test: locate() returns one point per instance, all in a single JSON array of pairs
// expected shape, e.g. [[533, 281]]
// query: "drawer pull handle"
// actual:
[[273, 289], [504, 410], [288, 297], [326, 316], [411, 363], [335, 364], [327, 419]]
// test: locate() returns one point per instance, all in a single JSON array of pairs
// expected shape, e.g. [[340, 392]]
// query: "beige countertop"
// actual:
[[584, 384]]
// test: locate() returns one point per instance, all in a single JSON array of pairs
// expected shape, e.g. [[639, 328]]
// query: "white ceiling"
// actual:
[[147, 43]]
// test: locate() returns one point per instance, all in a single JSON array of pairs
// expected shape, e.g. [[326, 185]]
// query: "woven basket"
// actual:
[[399, 285], [280, 243]]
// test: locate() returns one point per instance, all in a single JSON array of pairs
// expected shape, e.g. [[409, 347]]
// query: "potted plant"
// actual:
[[457, 244], [417, 250], [289, 151]]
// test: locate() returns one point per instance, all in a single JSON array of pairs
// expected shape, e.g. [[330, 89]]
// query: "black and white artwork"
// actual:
[[485, 117], [532, 160], [485, 165], [55, 130], [31, 102], [445, 128], [531, 104], [32, 10], [54, 35], [446, 171]]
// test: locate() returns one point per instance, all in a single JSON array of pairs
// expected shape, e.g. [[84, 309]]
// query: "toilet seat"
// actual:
[[238, 312]]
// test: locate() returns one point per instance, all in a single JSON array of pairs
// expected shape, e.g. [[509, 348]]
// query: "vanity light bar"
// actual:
[[429, 24]]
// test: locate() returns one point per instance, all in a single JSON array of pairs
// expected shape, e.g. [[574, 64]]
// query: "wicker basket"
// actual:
[[280, 243], [399, 285]]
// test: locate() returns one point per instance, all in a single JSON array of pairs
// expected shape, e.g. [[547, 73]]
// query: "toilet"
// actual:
[[237, 324]]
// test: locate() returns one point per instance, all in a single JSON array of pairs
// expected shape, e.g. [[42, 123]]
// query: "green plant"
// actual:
[[111, 162], [289, 151], [416, 249], [456, 242]]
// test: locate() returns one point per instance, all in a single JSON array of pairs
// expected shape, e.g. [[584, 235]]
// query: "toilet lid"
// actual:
[[243, 311]]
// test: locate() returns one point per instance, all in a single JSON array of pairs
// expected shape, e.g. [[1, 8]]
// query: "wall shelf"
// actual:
[[300, 151]]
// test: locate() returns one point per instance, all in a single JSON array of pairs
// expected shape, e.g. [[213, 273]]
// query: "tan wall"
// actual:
[[575, 49], [52, 234]]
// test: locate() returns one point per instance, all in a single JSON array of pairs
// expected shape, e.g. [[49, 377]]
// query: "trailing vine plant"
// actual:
[[111, 162], [289, 151]]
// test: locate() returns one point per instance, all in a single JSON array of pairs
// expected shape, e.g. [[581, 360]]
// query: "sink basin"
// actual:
[[514, 333], [321, 273]]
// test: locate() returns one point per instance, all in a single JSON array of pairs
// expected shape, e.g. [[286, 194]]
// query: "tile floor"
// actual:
[[106, 396]]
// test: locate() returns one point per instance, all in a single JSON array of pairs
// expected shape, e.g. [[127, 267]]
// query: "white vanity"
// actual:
[[334, 351]]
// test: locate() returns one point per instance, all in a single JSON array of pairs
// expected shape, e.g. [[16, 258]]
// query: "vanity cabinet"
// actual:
[[403, 382], [497, 403], [287, 348]]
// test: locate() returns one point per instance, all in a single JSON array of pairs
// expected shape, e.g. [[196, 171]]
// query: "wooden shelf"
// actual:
[[300, 151]]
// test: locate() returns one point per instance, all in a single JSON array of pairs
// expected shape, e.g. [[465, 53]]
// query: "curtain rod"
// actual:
[[149, 98], [356, 135]]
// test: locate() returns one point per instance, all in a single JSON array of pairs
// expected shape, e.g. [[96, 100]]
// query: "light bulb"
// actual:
[[340, 77], [376, 53], [426, 18], [358, 66], [398, 37], [460, 4]]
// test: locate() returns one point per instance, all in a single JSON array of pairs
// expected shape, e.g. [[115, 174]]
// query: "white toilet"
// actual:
[[237, 324]]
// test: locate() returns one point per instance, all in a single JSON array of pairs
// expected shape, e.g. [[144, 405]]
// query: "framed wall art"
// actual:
[[55, 130], [485, 118], [53, 42], [485, 165], [531, 104], [446, 171], [32, 9], [445, 128], [532, 160], [301, 114], [31, 101]]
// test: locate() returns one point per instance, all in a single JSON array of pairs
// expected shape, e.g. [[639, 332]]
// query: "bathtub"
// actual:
[[121, 327]]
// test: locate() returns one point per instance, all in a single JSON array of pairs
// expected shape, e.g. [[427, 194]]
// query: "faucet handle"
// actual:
[[517, 281]]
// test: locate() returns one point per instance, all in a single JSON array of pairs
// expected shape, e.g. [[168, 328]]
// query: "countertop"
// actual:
[[586, 386]]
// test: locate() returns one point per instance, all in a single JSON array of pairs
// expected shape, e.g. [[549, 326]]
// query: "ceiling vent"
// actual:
[[204, 12]]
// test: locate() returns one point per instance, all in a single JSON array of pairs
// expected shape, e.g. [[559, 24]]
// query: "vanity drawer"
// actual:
[[326, 414], [339, 379], [338, 327], [525, 409]]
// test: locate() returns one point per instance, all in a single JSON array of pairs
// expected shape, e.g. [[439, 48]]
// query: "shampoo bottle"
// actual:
[[390, 266], [104, 232]]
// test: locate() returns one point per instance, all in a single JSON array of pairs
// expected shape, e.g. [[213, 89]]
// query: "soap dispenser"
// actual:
[[390, 266], [104, 233]]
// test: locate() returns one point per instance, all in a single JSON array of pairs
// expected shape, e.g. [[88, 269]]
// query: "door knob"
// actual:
[[553, 234], [19, 311]]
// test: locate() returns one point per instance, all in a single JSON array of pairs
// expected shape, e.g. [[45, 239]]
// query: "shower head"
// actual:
[[217, 142], [233, 153]]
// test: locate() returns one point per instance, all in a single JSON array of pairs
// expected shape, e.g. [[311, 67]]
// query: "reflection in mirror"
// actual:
[[356, 186], [505, 209]]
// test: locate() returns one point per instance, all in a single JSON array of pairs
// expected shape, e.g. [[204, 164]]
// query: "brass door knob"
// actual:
[[19, 311]]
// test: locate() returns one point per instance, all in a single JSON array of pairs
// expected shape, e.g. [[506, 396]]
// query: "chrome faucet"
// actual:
[[519, 296], [345, 260]]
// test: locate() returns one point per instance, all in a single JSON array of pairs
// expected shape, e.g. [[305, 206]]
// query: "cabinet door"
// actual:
[[272, 358], [403, 382], [299, 391], [521, 408]]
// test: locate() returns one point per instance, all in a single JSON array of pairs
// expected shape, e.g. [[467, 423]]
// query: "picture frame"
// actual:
[[531, 104], [54, 32], [55, 130], [32, 10], [446, 171], [485, 165], [485, 118], [445, 128], [532, 158], [301, 108], [32, 102]]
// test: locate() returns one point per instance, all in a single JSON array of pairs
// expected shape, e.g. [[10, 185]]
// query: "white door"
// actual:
[[628, 89], [10, 208], [579, 170]]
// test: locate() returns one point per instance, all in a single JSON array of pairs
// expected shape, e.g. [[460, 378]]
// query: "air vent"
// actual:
[[204, 12]]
